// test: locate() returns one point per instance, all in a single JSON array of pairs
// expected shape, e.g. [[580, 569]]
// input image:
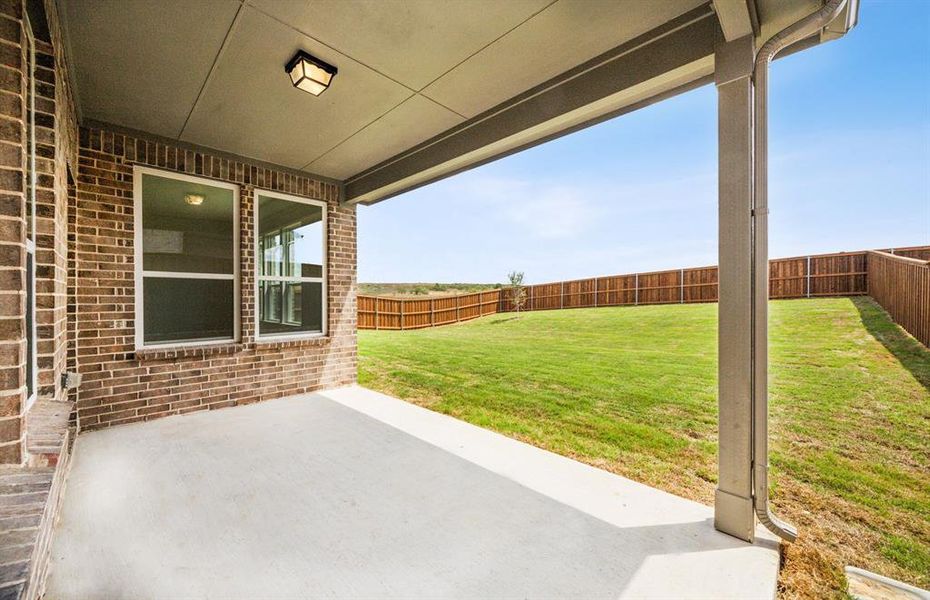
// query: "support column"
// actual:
[[733, 504]]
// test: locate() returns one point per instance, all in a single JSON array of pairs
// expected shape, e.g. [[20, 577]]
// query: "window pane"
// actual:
[[297, 308], [291, 238], [292, 307], [30, 324], [30, 212], [270, 293], [184, 310], [273, 253], [30, 135], [186, 227]]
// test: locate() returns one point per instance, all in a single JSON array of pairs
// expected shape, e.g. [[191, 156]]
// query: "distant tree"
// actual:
[[517, 291]]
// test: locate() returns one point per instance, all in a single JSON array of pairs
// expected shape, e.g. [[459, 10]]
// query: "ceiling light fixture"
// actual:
[[194, 199], [310, 74]]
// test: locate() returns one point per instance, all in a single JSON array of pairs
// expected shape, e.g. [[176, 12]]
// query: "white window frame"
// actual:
[[140, 273], [324, 304], [32, 352]]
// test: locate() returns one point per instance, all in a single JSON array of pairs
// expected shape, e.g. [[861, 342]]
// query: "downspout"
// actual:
[[800, 30]]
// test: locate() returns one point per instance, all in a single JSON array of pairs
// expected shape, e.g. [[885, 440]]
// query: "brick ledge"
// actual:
[[170, 353], [176, 352], [319, 340]]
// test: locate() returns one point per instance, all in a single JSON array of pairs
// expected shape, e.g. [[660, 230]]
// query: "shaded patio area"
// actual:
[[352, 493]]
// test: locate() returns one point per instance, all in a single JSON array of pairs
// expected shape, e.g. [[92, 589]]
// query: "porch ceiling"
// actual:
[[210, 73]]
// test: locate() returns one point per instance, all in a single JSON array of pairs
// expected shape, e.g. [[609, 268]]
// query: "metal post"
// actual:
[[733, 502]]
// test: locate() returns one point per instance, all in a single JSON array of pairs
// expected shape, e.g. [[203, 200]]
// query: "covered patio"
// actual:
[[350, 493], [179, 235]]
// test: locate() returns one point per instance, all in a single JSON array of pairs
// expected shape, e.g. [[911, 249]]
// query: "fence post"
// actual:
[[432, 310], [401, 315], [532, 301], [808, 276], [636, 289], [595, 292], [562, 295], [377, 316], [681, 286], [458, 303]]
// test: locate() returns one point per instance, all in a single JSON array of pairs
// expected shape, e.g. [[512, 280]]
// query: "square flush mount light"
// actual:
[[310, 74]]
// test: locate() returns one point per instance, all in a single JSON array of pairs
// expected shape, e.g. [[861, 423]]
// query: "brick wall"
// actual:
[[12, 233], [84, 270], [56, 155], [56, 135], [122, 386]]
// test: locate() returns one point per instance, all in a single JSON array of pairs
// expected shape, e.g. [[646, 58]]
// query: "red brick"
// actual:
[[177, 381], [10, 429]]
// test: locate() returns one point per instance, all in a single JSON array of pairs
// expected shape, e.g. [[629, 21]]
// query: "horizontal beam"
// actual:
[[734, 17], [673, 57]]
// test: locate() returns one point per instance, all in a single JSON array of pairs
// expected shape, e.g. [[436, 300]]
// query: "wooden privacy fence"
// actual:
[[902, 286], [838, 274], [377, 312]]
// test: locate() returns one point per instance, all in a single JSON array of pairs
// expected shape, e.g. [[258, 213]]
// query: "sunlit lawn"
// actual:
[[633, 390]]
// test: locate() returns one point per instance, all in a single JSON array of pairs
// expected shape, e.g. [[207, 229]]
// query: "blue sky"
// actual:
[[849, 169]]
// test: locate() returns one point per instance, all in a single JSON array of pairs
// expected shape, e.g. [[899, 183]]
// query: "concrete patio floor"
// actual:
[[350, 493]]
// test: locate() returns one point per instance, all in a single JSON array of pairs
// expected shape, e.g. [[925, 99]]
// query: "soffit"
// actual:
[[210, 72]]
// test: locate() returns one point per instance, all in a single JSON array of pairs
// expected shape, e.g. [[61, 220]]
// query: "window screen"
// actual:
[[291, 279], [189, 257]]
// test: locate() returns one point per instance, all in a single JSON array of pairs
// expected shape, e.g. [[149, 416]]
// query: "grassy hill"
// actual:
[[633, 390]]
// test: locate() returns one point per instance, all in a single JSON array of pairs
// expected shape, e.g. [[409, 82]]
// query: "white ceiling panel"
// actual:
[[249, 106], [567, 33], [141, 64], [154, 66], [412, 42], [414, 121]]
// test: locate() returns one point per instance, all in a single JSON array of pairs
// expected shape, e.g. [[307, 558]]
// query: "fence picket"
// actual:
[[901, 286]]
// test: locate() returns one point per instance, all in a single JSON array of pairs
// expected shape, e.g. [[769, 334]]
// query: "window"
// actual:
[[31, 360], [187, 259], [290, 242]]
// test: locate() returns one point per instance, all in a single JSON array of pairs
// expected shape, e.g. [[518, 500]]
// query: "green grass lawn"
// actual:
[[633, 390]]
